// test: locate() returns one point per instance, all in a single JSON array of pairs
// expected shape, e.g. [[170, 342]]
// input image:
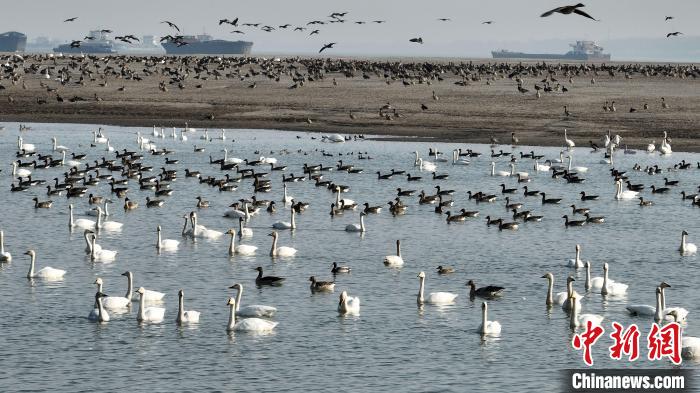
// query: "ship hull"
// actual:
[[13, 42], [101, 49], [548, 56], [213, 47]]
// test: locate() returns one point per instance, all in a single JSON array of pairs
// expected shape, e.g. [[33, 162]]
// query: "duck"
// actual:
[[445, 270], [348, 305], [488, 328], [253, 310], [687, 248], [242, 249], [267, 280], [167, 244], [394, 260], [280, 251], [248, 324], [4, 255], [490, 291], [610, 287], [321, 286], [335, 269], [47, 273], [185, 317], [433, 297], [148, 314]]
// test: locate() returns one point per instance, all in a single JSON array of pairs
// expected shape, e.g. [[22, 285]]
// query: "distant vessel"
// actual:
[[13, 41], [582, 50], [205, 45], [101, 43]]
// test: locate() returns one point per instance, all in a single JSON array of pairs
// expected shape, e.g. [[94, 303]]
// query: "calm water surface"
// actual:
[[49, 343]]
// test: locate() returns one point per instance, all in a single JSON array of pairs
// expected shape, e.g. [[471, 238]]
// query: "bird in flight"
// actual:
[[237, 32], [71, 19], [88, 38], [75, 44], [444, 19], [327, 46], [171, 24], [222, 21], [488, 22], [675, 33], [106, 31], [314, 32], [567, 10], [379, 21], [668, 18], [299, 28], [418, 40]]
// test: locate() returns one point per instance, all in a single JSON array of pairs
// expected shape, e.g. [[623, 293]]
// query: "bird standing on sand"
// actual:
[[567, 10]]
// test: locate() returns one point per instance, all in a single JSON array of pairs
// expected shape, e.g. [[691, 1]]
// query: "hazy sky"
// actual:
[[516, 21]]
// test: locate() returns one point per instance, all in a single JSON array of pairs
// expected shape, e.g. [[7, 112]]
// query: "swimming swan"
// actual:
[[280, 251], [687, 248], [47, 273], [577, 320], [183, 316], [348, 305], [101, 255], [81, 223], [120, 302], [167, 244], [553, 299], [433, 297], [99, 314], [577, 262], [282, 225], [248, 324], [357, 227], [4, 255], [148, 314], [488, 328], [107, 225], [627, 194], [610, 287], [394, 260], [242, 249], [253, 310]]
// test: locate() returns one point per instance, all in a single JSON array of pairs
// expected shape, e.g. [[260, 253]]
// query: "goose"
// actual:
[[572, 223], [488, 328], [335, 269], [200, 231], [551, 201], [21, 172], [280, 251], [99, 314], [357, 227], [626, 194], [282, 225], [569, 143], [494, 172], [248, 324], [130, 205], [348, 305], [582, 210], [167, 244], [433, 297], [394, 260], [490, 291], [183, 316], [687, 248], [577, 320], [321, 286], [4, 255], [445, 270], [642, 202], [47, 273], [120, 302], [677, 314], [267, 280], [201, 203], [610, 287], [253, 310], [242, 249], [148, 314], [107, 225], [57, 147], [594, 219], [576, 263], [100, 254], [585, 197], [372, 209], [552, 299]]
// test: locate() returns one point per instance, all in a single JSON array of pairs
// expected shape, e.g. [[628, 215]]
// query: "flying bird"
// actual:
[[222, 21], [237, 32], [234, 22], [75, 44], [668, 18], [378, 21], [444, 19], [299, 28], [675, 33], [314, 32], [71, 19], [488, 22], [567, 10], [418, 40], [88, 37], [106, 31], [327, 46], [171, 24]]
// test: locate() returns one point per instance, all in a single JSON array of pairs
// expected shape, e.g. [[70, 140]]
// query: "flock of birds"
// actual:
[[126, 170]]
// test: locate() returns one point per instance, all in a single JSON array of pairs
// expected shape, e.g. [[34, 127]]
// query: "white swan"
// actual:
[[570, 295], [286, 198], [21, 172], [282, 225], [494, 172], [167, 244], [627, 194], [183, 137], [57, 147], [253, 310], [646, 310], [202, 232], [348, 305], [109, 146], [594, 283], [576, 262], [433, 297], [248, 324], [183, 316], [678, 314], [610, 287], [99, 314], [357, 227], [93, 211], [665, 146], [581, 169], [81, 223], [148, 314], [541, 168], [690, 347], [569, 143], [687, 248], [552, 299], [651, 147], [342, 202], [98, 139], [488, 328], [280, 251], [456, 160], [231, 160], [107, 225], [120, 302], [577, 320], [88, 242], [243, 231], [47, 273], [27, 147], [394, 260], [4, 255], [242, 249], [426, 165], [102, 255], [519, 174]]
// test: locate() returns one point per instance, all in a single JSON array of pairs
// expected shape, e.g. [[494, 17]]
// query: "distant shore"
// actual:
[[462, 114]]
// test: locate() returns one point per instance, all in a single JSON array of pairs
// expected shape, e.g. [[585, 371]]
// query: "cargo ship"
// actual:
[[101, 43], [13, 41], [582, 50], [204, 44]]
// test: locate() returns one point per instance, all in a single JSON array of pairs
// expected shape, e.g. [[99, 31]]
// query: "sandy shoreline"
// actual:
[[465, 114]]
